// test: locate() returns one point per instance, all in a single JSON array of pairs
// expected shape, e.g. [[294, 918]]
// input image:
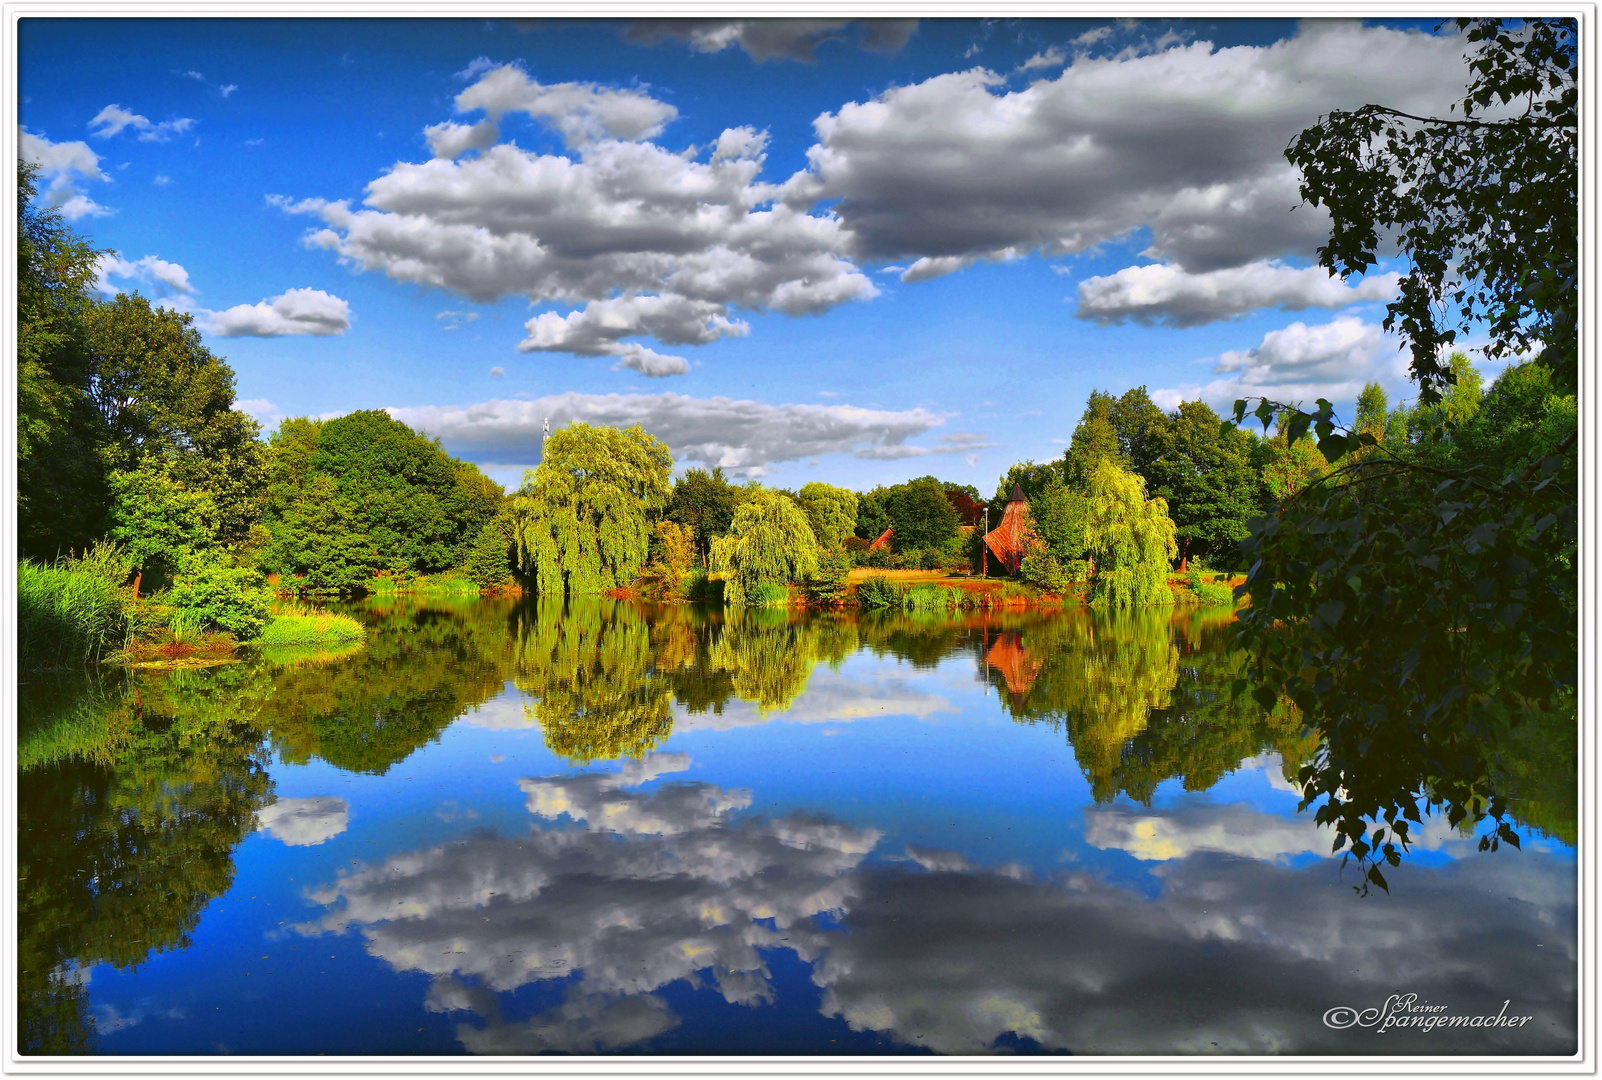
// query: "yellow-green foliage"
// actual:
[[770, 542], [832, 512], [1130, 538], [582, 520], [675, 551], [591, 667], [311, 626]]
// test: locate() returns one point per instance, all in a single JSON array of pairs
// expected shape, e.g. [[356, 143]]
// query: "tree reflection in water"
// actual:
[[141, 786]]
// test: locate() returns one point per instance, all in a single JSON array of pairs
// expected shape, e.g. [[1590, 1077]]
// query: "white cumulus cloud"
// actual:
[[642, 239], [745, 436], [305, 822], [1186, 142], [1164, 293], [166, 277], [297, 311], [64, 165], [1299, 363]]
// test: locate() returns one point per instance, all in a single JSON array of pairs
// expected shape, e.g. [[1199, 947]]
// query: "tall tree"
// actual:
[[160, 391], [920, 514], [1372, 410], [704, 502], [584, 517], [1129, 538], [60, 479], [1095, 438], [769, 543], [831, 511], [1207, 478], [1413, 611]]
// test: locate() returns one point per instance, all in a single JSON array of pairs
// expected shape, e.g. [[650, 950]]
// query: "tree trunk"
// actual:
[[138, 576]]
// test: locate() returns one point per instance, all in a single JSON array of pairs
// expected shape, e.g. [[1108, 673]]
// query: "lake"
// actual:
[[519, 827]]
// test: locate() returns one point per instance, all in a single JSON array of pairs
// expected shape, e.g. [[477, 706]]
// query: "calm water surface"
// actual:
[[510, 828]]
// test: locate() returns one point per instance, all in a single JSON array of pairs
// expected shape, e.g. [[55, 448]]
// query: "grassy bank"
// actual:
[[296, 626]]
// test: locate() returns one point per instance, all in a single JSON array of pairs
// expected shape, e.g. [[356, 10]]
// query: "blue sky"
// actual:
[[803, 249]]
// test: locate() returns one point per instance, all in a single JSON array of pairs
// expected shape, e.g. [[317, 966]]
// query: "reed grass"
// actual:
[[69, 613]]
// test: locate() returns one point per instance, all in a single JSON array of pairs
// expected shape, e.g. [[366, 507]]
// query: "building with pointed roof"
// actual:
[[1009, 541]]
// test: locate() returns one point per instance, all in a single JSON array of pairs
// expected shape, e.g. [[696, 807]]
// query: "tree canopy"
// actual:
[[1130, 539], [770, 542], [584, 518]]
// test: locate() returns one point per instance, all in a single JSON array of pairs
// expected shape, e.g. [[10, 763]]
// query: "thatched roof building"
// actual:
[[1009, 541]]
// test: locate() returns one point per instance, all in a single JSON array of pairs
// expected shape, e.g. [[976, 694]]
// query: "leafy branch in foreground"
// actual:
[[1414, 613], [1484, 208]]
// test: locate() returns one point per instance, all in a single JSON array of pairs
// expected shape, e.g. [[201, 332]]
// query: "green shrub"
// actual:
[[877, 592], [1042, 570], [449, 583], [489, 563], [931, 597], [878, 558], [828, 585], [68, 614], [701, 588], [210, 595], [1215, 593]]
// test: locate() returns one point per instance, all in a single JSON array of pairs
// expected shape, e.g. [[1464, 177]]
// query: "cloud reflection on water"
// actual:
[[1240, 952]]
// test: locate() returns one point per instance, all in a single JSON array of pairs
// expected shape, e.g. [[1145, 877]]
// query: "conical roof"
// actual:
[[1017, 494]]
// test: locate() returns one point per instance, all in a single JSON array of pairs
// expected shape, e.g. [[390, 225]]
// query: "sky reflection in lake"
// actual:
[[506, 829]]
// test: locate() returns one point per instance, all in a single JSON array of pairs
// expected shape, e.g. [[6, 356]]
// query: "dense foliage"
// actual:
[[1419, 602], [1129, 538], [365, 493], [1484, 206], [770, 543], [583, 519]]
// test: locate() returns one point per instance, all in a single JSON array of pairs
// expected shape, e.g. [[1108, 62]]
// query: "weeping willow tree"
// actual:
[[770, 542], [1129, 538], [582, 520]]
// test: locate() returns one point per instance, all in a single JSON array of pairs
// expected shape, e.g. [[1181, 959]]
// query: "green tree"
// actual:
[[1130, 540], [1059, 517], [60, 480], [673, 552], [1372, 409], [703, 502], [1142, 429], [159, 520], [1204, 472], [319, 539], [490, 561], [1287, 466], [1094, 438], [1412, 610], [921, 514], [160, 391], [873, 517], [1521, 420], [770, 542], [584, 517], [832, 512]]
